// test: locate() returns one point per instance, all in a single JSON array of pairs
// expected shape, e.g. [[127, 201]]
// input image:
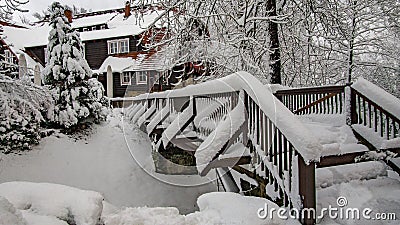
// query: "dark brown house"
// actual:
[[113, 48]]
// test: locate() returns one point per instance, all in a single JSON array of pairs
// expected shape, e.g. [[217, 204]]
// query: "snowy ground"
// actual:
[[103, 163], [115, 161]]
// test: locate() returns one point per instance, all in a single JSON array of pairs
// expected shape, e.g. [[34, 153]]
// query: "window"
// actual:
[[126, 78], [103, 27], [141, 77], [8, 56], [94, 28], [112, 47], [85, 29], [118, 46], [124, 46]]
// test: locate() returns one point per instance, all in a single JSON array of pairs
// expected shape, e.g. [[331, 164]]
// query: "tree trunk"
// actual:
[[351, 44], [274, 55]]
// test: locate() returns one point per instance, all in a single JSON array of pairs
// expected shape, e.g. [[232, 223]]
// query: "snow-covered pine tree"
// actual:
[[77, 95]]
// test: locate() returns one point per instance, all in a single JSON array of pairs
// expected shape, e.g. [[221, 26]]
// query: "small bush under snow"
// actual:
[[23, 106]]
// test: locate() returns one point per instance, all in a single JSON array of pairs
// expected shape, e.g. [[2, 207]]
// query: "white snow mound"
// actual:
[[65, 203], [8, 213]]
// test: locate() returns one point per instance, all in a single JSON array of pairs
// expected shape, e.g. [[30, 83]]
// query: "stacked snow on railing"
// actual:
[[132, 110], [201, 119], [217, 139], [379, 96], [139, 112], [386, 122], [160, 115], [293, 129], [147, 114]]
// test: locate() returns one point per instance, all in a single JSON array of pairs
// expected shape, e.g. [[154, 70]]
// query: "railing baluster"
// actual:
[[262, 130], [291, 152], [369, 116], [382, 124], [275, 158], [280, 154], [364, 113], [387, 128], [359, 109], [258, 124], [376, 119]]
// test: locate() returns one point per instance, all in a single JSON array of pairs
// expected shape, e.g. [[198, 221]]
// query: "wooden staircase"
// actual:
[[267, 142]]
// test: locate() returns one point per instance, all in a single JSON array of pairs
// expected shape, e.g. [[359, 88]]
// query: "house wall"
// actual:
[[119, 90], [37, 53], [96, 51], [133, 89]]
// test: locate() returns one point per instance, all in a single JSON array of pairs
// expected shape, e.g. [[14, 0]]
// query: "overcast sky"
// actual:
[[39, 5]]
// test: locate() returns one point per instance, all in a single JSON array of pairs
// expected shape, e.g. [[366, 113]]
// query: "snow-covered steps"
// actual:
[[131, 111], [138, 112], [329, 176], [179, 124], [186, 143], [226, 180], [220, 139], [146, 115], [158, 118], [374, 139], [379, 195], [240, 157], [334, 135]]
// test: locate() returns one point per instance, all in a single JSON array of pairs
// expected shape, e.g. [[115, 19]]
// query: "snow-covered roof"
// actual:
[[87, 21], [117, 64], [118, 26], [16, 38], [143, 61]]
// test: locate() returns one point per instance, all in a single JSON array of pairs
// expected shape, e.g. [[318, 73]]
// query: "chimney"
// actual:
[[127, 9], [68, 14]]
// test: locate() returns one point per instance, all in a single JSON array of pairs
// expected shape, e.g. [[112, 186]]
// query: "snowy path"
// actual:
[[103, 163]]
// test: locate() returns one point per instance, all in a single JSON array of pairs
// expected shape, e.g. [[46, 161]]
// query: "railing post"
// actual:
[[243, 97], [353, 107], [307, 191]]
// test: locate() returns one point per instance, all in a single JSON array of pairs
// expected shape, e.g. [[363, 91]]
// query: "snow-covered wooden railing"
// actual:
[[283, 150], [318, 100], [237, 114], [375, 115]]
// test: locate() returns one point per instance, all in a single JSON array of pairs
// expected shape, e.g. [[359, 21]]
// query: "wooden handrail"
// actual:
[[370, 114], [315, 103], [311, 90], [320, 100], [377, 106]]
